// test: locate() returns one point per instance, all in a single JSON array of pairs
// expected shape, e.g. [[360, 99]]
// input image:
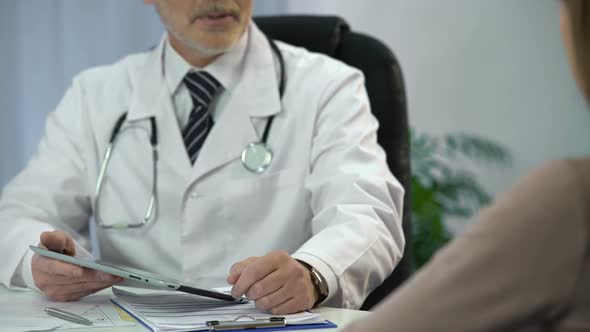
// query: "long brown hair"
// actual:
[[579, 11]]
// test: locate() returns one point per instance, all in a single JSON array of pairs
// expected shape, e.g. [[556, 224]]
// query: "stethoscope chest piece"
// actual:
[[256, 157]]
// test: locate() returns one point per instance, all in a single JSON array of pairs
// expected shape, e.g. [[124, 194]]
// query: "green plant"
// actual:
[[442, 185]]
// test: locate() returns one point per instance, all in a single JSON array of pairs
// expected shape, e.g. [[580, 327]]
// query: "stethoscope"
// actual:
[[256, 156]]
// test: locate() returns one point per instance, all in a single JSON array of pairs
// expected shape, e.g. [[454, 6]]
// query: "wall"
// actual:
[[10, 143], [44, 44], [495, 68]]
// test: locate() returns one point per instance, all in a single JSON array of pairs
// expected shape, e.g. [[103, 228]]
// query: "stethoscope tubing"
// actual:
[[267, 152]]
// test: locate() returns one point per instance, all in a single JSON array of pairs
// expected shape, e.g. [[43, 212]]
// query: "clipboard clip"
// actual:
[[252, 323]]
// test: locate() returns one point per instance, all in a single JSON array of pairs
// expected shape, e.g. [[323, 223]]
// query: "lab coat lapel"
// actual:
[[254, 98], [152, 98]]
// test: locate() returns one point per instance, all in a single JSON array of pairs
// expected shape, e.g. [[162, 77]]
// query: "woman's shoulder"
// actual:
[[553, 198], [579, 175], [579, 171], [565, 180]]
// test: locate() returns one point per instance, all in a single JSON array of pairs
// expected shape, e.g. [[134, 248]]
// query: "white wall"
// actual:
[[267, 7], [10, 145], [43, 45], [491, 67]]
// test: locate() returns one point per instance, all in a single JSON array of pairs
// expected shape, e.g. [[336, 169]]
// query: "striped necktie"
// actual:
[[203, 88]]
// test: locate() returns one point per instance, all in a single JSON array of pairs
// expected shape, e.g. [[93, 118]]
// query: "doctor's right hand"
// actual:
[[62, 281]]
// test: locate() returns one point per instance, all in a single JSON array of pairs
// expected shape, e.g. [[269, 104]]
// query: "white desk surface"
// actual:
[[340, 317]]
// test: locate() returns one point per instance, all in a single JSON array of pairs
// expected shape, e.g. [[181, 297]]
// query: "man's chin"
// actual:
[[210, 51], [208, 43], [215, 44]]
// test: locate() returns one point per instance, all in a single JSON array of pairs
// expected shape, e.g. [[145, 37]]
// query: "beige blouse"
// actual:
[[523, 266]]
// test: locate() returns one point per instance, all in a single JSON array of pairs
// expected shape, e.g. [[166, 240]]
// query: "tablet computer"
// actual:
[[138, 275]]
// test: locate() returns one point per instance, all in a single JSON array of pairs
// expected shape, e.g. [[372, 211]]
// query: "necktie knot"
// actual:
[[203, 87]]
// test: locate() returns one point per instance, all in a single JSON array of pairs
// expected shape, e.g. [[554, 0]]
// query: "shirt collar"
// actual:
[[225, 69]]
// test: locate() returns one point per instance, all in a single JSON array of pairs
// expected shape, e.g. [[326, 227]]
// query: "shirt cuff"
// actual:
[[17, 270], [324, 269], [26, 271]]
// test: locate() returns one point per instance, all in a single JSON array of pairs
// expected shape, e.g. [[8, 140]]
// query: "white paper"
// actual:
[[174, 311], [24, 311]]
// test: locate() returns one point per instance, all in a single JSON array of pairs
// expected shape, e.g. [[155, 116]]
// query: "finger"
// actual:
[[94, 275], [64, 293], [91, 291], [69, 297], [266, 286], [69, 271], [252, 273], [55, 267], [84, 286], [88, 276], [58, 241], [236, 270], [45, 281], [75, 296], [291, 306], [274, 299]]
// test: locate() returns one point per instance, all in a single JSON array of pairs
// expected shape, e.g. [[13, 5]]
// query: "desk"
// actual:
[[340, 317]]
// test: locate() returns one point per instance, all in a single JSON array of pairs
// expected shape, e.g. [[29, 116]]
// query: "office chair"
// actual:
[[384, 81]]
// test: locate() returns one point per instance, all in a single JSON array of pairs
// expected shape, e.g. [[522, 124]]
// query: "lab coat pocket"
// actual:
[[268, 212], [260, 182], [260, 198]]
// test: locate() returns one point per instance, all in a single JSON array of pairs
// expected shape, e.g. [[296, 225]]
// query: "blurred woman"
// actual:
[[525, 265]]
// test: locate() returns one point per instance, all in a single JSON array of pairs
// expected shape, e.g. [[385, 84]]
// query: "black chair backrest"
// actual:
[[385, 85]]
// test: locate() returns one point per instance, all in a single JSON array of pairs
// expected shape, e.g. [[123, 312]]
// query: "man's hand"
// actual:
[[276, 282], [62, 281]]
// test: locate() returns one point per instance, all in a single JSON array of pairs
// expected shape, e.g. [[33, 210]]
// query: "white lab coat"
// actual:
[[328, 198]]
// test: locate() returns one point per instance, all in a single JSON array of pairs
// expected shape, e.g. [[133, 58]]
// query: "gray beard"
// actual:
[[198, 47]]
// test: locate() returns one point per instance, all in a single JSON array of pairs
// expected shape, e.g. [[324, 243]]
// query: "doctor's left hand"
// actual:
[[62, 281], [276, 282]]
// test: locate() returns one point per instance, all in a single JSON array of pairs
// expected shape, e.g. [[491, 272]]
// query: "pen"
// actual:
[[67, 316]]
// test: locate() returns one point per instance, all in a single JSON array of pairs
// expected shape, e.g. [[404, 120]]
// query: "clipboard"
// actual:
[[251, 324], [272, 324], [267, 325]]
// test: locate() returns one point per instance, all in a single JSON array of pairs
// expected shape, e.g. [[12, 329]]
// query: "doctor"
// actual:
[[232, 157]]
